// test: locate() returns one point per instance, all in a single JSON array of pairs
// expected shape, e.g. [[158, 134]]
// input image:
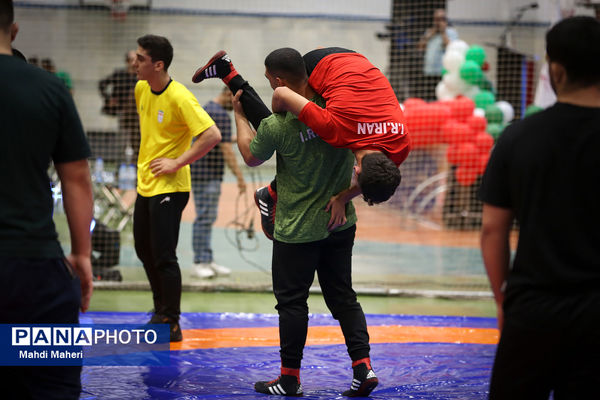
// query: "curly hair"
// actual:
[[378, 179]]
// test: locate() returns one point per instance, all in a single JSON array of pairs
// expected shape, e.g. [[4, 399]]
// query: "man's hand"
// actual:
[[162, 166], [338, 212], [237, 104], [82, 266]]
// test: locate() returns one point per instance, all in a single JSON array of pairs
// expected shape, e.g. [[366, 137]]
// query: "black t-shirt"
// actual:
[[547, 169], [38, 124]]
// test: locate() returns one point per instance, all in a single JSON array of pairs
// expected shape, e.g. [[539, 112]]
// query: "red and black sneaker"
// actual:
[[284, 385], [364, 380], [219, 66], [266, 201]]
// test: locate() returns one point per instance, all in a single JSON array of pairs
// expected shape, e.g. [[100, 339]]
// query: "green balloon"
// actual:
[[532, 109], [493, 114], [495, 130], [471, 72], [484, 98], [477, 54]]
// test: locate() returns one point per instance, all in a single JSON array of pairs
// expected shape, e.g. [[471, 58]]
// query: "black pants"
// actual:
[[294, 266], [40, 291], [549, 344], [156, 222]]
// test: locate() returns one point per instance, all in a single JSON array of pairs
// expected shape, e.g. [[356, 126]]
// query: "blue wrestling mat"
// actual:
[[415, 357]]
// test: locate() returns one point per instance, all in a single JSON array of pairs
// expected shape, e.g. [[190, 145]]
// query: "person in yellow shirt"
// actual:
[[170, 116]]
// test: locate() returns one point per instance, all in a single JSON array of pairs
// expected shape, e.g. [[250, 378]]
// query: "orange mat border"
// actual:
[[327, 335]]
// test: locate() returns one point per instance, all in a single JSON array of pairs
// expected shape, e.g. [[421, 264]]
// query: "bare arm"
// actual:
[[285, 99], [425, 38], [495, 249], [202, 145], [233, 165], [245, 134], [79, 205]]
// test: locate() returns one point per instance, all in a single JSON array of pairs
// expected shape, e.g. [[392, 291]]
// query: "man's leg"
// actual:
[[206, 201], [524, 363], [201, 230], [220, 66], [165, 215], [39, 292], [142, 229], [335, 278], [293, 269]]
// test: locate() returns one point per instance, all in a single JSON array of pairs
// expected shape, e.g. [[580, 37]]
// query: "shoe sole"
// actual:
[[269, 236], [199, 71]]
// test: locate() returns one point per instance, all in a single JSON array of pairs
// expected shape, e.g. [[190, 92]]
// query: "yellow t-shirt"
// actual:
[[168, 122]]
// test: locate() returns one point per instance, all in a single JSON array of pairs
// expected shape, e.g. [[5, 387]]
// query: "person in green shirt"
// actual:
[[313, 232]]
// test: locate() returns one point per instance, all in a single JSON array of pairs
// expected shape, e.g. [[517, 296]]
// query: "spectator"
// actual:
[[117, 90], [433, 43], [207, 176], [64, 76]]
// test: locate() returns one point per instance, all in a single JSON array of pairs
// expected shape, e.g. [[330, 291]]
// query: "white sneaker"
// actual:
[[203, 271], [219, 269]]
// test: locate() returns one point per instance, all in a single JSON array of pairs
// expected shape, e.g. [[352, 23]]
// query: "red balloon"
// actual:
[[452, 154], [465, 176], [424, 123], [477, 123], [412, 102], [455, 132], [484, 142], [467, 154], [462, 108], [482, 163]]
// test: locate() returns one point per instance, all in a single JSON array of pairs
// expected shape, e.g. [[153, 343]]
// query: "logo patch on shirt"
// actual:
[[161, 115]]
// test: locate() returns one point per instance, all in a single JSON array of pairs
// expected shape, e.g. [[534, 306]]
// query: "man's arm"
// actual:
[[202, 145], [233, 165], [337, 205], [79, 205], [245, 134], [285, 99], [495, 249]]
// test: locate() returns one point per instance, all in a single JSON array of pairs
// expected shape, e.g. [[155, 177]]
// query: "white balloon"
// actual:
[[443, 93], [508, 112], [471, 91], [452, 61], [479, 112], [458, 45], [455, 83]]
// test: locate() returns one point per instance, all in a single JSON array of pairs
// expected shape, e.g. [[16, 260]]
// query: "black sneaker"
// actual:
[[284, 385], [174, 328], [156, 318], [219, 66], [266, 201], [364, 381], [175, 332]]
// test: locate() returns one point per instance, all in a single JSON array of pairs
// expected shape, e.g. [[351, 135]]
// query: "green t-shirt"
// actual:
[[39, 124], [309, 172]]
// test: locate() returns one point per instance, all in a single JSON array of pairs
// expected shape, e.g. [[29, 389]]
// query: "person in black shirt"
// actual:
[[38, 284], [544, 171], [117, 90]]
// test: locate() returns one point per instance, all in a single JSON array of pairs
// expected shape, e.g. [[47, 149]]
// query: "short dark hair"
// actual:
[[158, 47], [287, 63], [573, 43], [378, 178], [7, 14]]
